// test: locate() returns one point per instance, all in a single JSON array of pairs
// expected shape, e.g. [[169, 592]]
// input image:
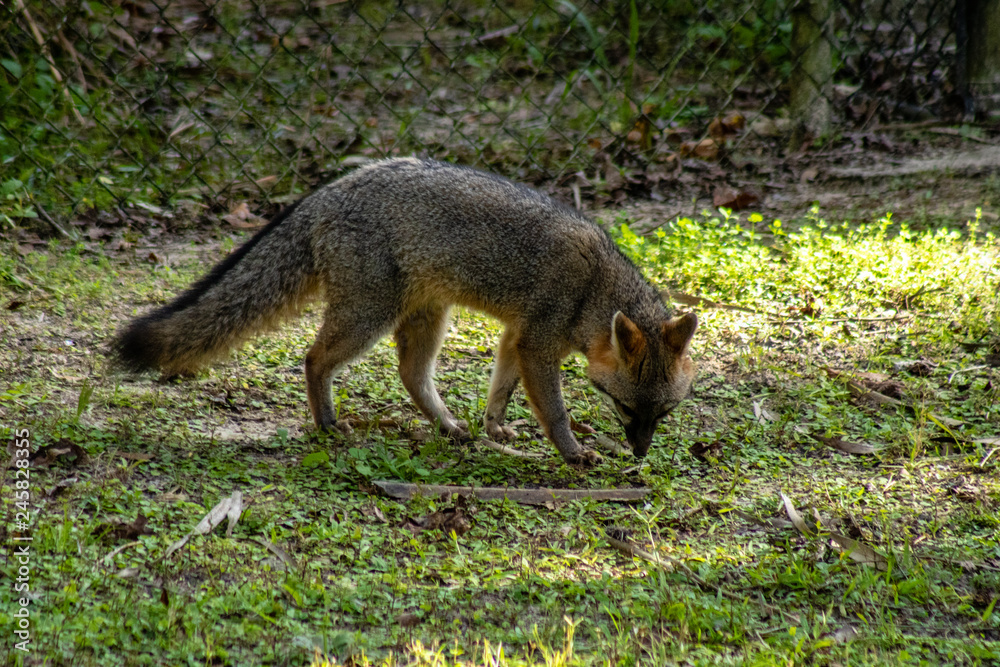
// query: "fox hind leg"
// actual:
[[418, 340], [343, 337]]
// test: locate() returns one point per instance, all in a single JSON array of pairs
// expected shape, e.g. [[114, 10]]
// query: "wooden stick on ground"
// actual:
[[405, 490]]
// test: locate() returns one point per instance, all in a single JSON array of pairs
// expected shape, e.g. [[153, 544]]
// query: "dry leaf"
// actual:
[[446, 520], [762, 414], [63, 451], [716, 130], [917, 367], [119, 530], [860, 553], [706, 149], [240, 217], [730, 197], [230, 508], [843, 445], [704, 451], [641, 134], [734, 121], [282, 555], [58, 488], [796, 518], [613, 178], [724, 127], [879, 398]]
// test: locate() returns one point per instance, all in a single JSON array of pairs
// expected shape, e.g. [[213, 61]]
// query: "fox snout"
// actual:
[[639, 434]]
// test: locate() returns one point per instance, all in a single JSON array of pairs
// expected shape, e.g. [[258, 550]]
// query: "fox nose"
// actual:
[[640, 436]]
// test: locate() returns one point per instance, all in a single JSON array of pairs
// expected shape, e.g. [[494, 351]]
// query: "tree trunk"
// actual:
[[812, 73], [983, 53]]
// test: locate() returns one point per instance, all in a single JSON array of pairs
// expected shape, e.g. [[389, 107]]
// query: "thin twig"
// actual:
[[666, 219], [68, 48], [982, 464], [954, 132], [45, 216], [966, 370], [504, 449], [37, 34], [894, 318]]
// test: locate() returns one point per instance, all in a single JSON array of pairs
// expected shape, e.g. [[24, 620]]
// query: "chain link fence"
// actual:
[[148, 104]]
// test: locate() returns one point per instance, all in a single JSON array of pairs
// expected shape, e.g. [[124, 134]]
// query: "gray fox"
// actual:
[[391, 247]]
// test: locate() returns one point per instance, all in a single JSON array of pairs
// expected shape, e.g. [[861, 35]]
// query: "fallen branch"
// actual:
[[405, 491], [835, 320], [45, 216], [692, 300]]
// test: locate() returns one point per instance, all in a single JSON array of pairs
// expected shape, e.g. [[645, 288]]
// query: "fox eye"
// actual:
[[625, 411], [665, 410]]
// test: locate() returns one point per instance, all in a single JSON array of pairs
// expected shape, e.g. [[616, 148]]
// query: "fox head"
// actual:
[[643, 374]]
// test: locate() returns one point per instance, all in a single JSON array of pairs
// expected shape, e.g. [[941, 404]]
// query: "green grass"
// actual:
[[362, 583]]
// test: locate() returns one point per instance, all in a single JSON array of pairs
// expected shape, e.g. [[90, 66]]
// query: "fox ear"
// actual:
[[677, 332], [626, 339]]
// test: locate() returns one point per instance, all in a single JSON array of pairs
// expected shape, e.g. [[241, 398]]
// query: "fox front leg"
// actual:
[[502, 384], [540, 374]]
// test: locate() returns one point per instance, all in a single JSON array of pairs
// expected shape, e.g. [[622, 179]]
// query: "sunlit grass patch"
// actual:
[[833, 270]]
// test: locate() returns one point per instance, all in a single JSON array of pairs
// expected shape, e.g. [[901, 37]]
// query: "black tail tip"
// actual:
[[136, 348]]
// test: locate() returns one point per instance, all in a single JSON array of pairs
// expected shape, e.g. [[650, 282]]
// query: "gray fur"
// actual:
[[391, 247]]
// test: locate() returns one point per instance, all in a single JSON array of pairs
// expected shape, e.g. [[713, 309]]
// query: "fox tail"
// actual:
[[267, 280]]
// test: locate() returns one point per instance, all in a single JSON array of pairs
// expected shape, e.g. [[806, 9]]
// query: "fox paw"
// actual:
[[584, 457], [337, 426], [499, 431], [457, 430]]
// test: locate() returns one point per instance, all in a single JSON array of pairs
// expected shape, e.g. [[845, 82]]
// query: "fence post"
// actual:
[[812, 69]]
